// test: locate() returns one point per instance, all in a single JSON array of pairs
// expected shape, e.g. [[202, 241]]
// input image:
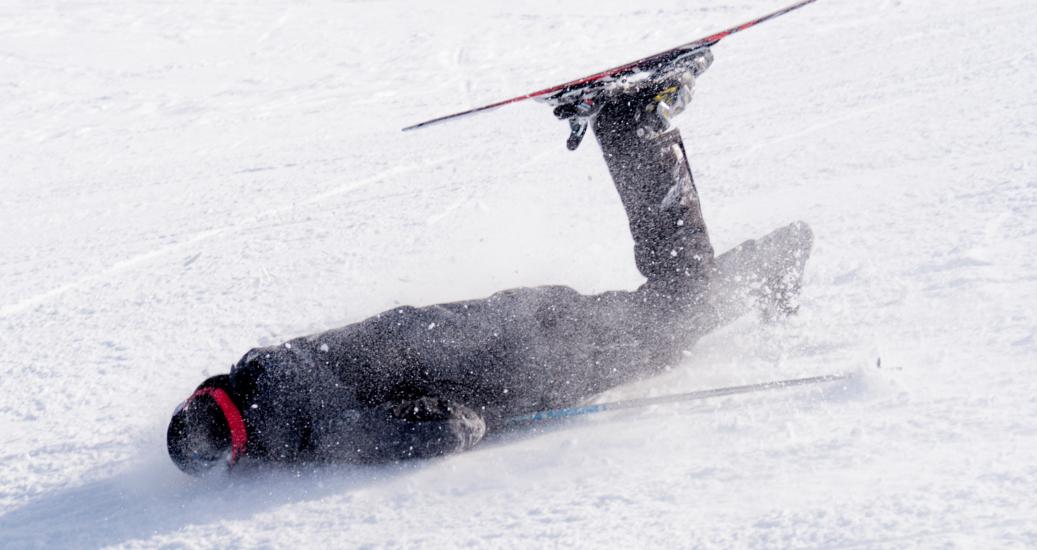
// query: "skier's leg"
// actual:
[[671, 243], [651, 173]]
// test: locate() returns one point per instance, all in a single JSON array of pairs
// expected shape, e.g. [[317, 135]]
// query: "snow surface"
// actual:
[[185, 180]]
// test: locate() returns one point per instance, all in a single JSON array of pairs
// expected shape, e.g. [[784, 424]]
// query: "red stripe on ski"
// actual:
[[702, 42]]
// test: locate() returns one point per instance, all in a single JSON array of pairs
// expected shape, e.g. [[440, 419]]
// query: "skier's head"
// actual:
[[206, 429]]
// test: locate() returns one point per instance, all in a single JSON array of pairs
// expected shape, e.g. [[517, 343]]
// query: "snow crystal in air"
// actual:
[[324, 348]]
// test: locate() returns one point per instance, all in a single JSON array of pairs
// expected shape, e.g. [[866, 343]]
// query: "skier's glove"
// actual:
[[429, 427], [425, 409], [417, 428]]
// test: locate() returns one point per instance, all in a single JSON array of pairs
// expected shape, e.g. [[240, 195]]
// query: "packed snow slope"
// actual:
[[185, 180]]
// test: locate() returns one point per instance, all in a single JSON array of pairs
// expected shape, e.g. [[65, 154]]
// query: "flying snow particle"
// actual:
[[431, 326], [324, 348]]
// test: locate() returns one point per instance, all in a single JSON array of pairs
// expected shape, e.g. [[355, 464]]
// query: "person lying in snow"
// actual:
[[424, 382]]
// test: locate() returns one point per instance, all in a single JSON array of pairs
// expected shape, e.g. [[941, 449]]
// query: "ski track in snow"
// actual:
[[141, 259], [184, 181]]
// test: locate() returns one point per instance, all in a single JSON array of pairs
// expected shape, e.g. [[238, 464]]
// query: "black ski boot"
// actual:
[[653, 98]]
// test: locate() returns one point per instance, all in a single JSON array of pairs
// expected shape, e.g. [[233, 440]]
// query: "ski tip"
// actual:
[[435, 121], [420, 125]]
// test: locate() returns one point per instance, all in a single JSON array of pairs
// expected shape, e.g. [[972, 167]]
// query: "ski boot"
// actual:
[[781, 262], [656, 96]]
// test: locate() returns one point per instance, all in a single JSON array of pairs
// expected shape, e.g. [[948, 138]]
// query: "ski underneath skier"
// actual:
[[424, 382]]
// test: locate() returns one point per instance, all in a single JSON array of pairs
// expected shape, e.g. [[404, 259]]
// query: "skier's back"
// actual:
[[420, 382]]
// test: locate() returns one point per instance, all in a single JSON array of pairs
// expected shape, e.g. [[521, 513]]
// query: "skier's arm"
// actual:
[[419, 428]]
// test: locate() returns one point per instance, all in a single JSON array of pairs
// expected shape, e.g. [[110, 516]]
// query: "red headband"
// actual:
[[238, 433]]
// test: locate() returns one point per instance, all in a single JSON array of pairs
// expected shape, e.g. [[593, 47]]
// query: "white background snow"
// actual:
[[182, 181]]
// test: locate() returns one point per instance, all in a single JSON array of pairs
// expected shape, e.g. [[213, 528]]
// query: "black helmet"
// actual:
[[206, 429]]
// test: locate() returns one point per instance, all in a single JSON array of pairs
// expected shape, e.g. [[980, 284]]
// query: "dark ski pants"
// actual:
[[651, 174], [685, 281]]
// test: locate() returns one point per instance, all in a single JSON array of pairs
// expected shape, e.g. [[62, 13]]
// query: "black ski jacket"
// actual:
[[353, 393]]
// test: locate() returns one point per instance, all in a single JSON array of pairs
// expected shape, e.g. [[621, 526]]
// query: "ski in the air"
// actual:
[[574, 92]]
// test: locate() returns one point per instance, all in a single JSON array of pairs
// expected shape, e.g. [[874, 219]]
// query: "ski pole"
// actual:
[[551, 414]]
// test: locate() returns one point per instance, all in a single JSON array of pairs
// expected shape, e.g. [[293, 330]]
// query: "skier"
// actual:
[[424, 382]]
